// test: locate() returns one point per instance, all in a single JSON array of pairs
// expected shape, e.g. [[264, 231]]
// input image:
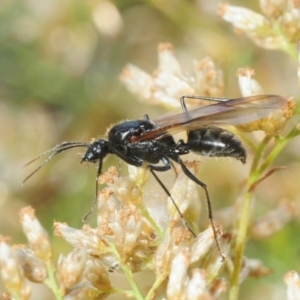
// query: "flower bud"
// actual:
[[70, 268], [256, 26], [37, 236], [273, 221], [34, 269], [248, 85], [167, 62], [272, 8], [12, 272], [209, 78], [292, 281]]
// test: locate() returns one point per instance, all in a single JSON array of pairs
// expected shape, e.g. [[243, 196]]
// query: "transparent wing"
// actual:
[[234, 111]]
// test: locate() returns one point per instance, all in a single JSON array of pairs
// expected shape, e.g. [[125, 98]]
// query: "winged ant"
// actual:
[[151, 142]]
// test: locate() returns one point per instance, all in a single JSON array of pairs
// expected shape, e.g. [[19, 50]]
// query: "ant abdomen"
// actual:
[[218, 142]]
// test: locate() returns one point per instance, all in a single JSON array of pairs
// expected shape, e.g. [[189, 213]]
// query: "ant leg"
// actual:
[[146, 116], [132, 160], [208, 202], [215, 99], [96, 192], [173, 167], [182, 102], [153, 168], [129, 159]]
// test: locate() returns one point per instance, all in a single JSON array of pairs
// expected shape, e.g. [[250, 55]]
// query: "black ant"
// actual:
[[145, 141]]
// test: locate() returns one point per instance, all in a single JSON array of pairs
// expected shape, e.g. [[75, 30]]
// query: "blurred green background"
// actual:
[[60, 62]]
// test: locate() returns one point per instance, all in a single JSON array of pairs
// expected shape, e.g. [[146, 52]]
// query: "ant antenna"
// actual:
[[54, 151]]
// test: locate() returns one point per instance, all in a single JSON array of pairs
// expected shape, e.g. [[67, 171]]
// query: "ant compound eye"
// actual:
[[92, 154], [96, 149]]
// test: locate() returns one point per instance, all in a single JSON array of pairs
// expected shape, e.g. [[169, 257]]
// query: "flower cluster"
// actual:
[[138, 227], [127, 238], [208, 81], [137, 230], [265, 31], [170, 82]]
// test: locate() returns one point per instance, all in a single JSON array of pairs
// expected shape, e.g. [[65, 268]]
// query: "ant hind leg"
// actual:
[[166, 167]]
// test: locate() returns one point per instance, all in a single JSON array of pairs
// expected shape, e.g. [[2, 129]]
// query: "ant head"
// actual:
[[96, 151]]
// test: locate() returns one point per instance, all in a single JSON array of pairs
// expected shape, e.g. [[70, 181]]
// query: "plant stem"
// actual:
[[126, 293], [277, 149], [287, 46], [146, 214], [154, 287], [255, 174], [51, 281], [132, 282], [241, 240], [244, 220], [259, 152], [128, 274]]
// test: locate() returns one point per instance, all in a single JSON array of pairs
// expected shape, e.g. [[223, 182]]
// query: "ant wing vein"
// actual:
[[232, 112]]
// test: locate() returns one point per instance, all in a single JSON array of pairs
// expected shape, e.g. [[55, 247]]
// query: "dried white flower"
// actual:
[[202, 244], [275, 122], [97, 275], [292, 281], [254, 268], [127, 229], [272, 8], [107, 18], [167, 63], [184, 192], [87, 238], [273, 221], [248, 85], [255, 25], [12, 272], [84, 290], [215, 262], [178, 275], [181, 285], [290, 21], [37, 236], [197, 286], [34, 269], [70, 268], [209, 78], [169, 82], [164, 255]]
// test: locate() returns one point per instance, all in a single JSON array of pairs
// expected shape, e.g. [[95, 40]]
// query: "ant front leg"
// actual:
[[164, 168], [85, 217]]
